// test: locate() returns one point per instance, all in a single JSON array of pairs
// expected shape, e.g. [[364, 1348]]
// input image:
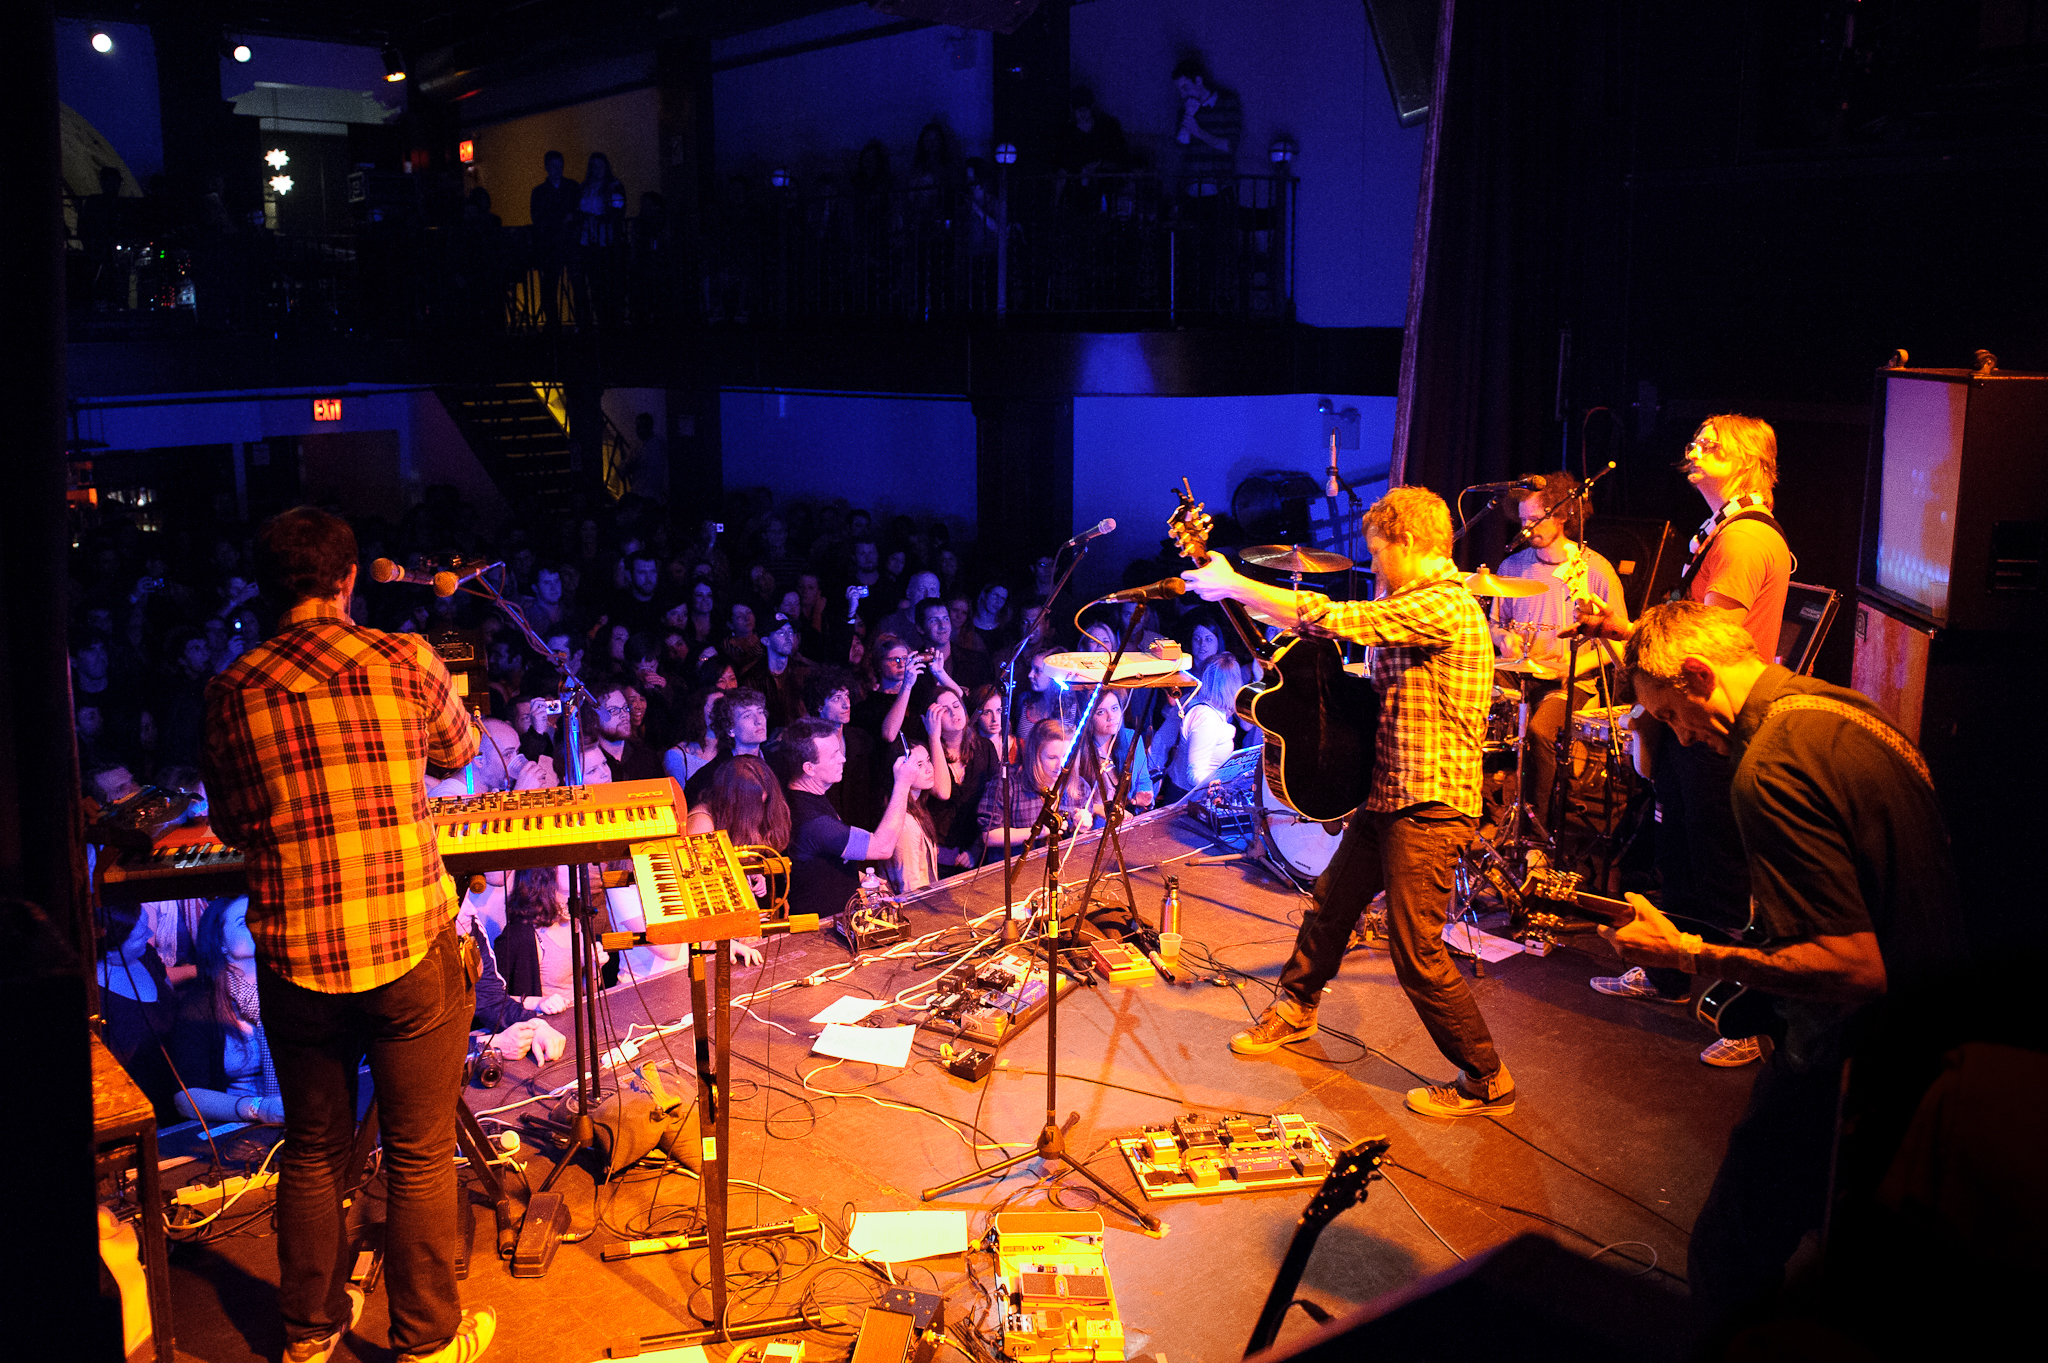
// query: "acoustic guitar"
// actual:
[[1320, 722]]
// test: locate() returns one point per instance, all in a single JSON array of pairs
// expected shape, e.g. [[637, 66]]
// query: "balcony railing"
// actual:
[[1105, 251]]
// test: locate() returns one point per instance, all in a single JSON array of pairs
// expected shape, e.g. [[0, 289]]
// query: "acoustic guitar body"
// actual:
[[1320, 724]]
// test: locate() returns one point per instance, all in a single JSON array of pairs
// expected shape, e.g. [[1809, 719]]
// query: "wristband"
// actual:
[[241, 1113], [1692, 945]]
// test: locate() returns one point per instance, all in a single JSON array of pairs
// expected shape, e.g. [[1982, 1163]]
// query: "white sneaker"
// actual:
[[1733, 1053]]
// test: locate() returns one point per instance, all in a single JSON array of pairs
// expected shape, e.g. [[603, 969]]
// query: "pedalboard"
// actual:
[[1199, 1156], [870, 924], [989, 1001], [1120, 964], [1057, 1300]]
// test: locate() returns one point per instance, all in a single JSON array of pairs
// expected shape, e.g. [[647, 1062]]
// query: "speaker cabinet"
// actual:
[[1646, 554]]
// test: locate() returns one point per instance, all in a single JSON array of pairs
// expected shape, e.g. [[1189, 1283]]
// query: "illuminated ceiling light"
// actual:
[[242, 52], [280, 184], [394, 64], [102, 43], [1006, 154], [779, 178], [1282, 151], [277, 158]]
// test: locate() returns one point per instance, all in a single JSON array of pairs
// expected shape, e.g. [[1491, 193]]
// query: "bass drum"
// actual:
[[1303, 847]]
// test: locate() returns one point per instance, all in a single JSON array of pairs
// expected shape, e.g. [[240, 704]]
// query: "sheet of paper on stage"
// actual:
[[1484, 945], [849, 1009], [898, 1237], [876, 1045]]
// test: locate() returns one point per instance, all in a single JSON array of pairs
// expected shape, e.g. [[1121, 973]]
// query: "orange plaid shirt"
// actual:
[[315, 754]]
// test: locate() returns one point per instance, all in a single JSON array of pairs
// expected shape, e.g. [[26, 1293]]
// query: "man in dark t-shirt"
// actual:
[[1854, 890], [808, 759]]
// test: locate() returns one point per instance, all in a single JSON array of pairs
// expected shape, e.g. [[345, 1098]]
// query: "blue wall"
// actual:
[[811, 112], [889, 455], [1306, 70], [1131, 452], [116, 91]]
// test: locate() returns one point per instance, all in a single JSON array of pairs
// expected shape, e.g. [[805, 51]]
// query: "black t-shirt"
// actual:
[[636, 761], [859, 797], [1841, 833], [820, 879]]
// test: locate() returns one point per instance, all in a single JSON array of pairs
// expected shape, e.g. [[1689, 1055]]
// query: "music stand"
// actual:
[[1051, 1145]]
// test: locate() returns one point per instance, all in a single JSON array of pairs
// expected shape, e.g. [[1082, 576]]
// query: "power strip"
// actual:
[[210, 1194]]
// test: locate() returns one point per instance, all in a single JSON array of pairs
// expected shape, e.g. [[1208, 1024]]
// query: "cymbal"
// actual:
[[1136, 669], [1484, 583], [1287, 558], [1527, 667]]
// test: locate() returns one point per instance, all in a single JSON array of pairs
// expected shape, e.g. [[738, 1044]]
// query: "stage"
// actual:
[[1614, 1140]]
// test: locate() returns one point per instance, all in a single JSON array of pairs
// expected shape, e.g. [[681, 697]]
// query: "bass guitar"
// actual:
[[1343, 1188], [1320, 722], [1549, 900]]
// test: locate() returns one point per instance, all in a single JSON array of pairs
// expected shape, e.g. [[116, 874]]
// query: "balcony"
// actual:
[[1101, 253]]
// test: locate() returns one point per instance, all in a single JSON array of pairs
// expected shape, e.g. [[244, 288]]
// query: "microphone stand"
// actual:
[[546, 1212], [1051, 1145], [1007, 733]]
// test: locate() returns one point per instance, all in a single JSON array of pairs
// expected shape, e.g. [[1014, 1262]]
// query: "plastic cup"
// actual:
[[1169, 947]]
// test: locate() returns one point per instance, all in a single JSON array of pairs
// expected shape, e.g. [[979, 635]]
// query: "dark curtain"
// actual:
[[1513, 181]]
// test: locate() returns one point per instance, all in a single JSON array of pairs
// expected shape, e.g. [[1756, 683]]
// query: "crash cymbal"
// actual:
[[1289, 559], [1484, 583], [1527, 667]]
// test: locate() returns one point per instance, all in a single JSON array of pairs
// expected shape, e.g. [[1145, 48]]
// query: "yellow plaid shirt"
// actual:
[[315, 754], [1432, 664]]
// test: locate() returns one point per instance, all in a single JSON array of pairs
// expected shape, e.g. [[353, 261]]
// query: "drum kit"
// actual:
[[1239, 807]]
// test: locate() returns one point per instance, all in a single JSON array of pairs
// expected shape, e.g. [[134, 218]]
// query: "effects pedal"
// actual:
[[540, 1235], [967, 1063]]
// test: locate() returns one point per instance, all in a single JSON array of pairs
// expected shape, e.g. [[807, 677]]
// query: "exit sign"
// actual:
[[326, 409]]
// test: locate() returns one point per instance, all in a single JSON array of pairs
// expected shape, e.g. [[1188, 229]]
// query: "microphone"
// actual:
[[1333, 484], [1533, 482], [1101, 527], [1165, 589], [446, 582]]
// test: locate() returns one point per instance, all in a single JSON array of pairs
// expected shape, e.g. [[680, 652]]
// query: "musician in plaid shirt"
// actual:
[[1432, 664], [315, 754]]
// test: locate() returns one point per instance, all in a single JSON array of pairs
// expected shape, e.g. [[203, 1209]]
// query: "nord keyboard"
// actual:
[[693, 889], [495, 831]]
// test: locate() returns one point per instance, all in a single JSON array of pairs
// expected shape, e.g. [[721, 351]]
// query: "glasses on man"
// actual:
[[1699, 446], [615, 709]]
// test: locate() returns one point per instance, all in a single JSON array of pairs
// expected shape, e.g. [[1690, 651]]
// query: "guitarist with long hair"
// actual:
[[1433, 668]]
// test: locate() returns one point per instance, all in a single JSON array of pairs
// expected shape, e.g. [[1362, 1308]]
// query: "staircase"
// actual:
[[519, 440]]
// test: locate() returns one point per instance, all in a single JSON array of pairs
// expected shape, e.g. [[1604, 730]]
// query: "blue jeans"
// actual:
[[1410, 855], [415, 1032]]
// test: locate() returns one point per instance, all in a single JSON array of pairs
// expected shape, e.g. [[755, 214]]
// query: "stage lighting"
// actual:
[[280, 185], [102, 43], [1282, 151], [394, 64], [242, 52], [779, 178], [277, 158], [1006, 154]]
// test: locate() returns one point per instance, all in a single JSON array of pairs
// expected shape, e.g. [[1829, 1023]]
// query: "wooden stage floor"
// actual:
[[1614, 1141]]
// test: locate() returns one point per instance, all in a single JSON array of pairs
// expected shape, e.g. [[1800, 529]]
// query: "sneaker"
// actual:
[[1451, 1100], [1732, 1053], [1285, 1021], [470, 1341], [1634, 984], [320, 1350]]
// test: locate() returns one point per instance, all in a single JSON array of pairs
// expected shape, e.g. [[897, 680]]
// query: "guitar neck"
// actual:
[[1601, 909], [1248, 631]]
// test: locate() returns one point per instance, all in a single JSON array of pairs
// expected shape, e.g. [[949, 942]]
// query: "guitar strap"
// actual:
[[1871, 724], [1711, 531]]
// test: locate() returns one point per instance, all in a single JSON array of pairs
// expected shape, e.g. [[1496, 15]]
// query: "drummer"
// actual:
[[1526, 627]]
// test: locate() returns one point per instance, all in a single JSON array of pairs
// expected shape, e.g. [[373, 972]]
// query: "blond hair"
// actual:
[[1669, 634], [1414, 514], [1752, 446]]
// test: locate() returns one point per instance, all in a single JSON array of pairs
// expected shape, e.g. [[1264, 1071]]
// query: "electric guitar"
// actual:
[[1549, 899], [1343, 1188], [1320, 722]]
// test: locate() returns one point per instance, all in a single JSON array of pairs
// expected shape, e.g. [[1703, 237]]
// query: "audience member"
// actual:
[[809, 759]]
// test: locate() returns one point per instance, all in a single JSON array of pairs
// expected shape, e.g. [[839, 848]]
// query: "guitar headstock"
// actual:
[[1550, 896], [1353, 1168], [1188, 527]]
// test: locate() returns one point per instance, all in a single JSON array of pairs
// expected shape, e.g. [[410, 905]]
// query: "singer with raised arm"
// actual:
[[1742, 565], [1432, 665]]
